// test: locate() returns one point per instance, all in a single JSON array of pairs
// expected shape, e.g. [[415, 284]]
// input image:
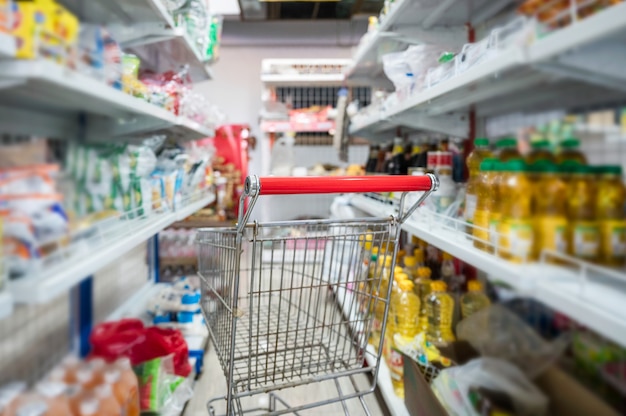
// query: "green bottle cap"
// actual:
[[540, 144], [544, 166], [570, 143], [506, 142], [481, 142], [515, 165], [582, 169], [610, 170], [487, 165]]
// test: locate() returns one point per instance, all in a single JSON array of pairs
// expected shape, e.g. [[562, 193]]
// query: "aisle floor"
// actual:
[[212, 383]]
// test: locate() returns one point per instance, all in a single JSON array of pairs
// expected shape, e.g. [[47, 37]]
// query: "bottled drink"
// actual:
[[406, 306], [447, 268], [486, 194], [474, 300], [397, 164], [414, 161], [71, 364], [379, 290], [550, 222], [440, 310], [410, 266], [481, 152], [507, 149], [128, 378], [610, 212], [108, 403], [422, 290], [86, 377], [372, 161], [570, 152], [583, 234], [516, 231], [540, 150]]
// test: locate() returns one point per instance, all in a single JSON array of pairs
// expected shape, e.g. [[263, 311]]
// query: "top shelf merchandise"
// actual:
[[527, 65]]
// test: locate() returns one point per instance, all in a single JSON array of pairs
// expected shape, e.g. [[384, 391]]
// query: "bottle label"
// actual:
[[516, 237], [613, 238], [481, 223], [585, 239], [470, 207], [550, 233], [494, 225], [396, 364]]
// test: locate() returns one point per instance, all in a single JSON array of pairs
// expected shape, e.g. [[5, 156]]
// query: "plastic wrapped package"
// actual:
[[446, 69], [497, 332], [212, 50], [397, 69], [487, 385], [474, 53], [519, 31], [160, 389]]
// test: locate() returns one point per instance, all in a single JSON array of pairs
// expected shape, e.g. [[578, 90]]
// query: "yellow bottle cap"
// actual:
[[418, 253], [374, 250], [410, 261], [438, 286], [406, 285], [474, 286], [387, 261], [424, 272], [447, 256], [400, 276], [398, 269]]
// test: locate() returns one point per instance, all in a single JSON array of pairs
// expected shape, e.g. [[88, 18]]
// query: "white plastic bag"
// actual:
[[452, 387]]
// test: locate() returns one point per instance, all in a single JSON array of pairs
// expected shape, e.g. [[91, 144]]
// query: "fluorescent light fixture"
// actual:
[[225, 7]]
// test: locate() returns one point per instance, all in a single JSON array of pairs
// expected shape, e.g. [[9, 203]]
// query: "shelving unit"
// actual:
[[86, 258], [592, 295], [51, 98], [6, 304], [147, 28], [560, 69]]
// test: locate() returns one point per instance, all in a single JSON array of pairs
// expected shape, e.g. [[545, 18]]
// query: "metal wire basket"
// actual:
[[269, 290]]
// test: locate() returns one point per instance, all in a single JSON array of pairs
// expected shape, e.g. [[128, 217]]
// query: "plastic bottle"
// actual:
[[550, 219], [372, 161], [397, 164], [86, 377], [108, 403], [98, 366], [74, 394], [570, 152], [474, 300], [540, 150], [422, 290], [507, 149], [610, 213], [486, 193], [481, 152], [583, 233], [447, 268], [516, 229], [406, 306], [129, 379], [9, 394], [71, 365], [410, 266], [445, 194], [90, 406], [440, 311], [495, 215]]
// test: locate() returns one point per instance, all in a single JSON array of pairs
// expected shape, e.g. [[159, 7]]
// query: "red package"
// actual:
[[130, 338]]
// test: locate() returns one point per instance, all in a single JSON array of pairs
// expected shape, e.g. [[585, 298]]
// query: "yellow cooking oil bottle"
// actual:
[[440, 311], [540, 149], [422, 290], [474, 159], [515, 228], [410, 266], [485, 199], [507, 149], [570, 152], [497, 179], [610, 213], [406, 306], [474, 300], [583, 231], [379, 291], [550, 210]]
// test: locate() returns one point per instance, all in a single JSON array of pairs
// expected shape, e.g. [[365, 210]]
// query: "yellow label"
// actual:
[[481, 220], [550, 233], [516, 237], [613, 239], [585, 239]]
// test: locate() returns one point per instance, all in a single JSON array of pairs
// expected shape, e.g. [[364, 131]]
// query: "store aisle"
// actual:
[[212, 383]]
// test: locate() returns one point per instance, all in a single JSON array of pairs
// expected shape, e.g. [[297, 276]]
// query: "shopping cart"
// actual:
[[289, 303]]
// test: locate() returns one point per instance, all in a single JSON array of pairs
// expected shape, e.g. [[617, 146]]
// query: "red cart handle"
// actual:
[[338, 184]]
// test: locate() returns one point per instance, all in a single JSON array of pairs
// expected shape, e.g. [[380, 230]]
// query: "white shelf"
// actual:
[[574, 66], [50, 97], [394, 403], [418, 21], [146, 28], [6, 304], [593, 295], [302, 79], [86, 259]]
